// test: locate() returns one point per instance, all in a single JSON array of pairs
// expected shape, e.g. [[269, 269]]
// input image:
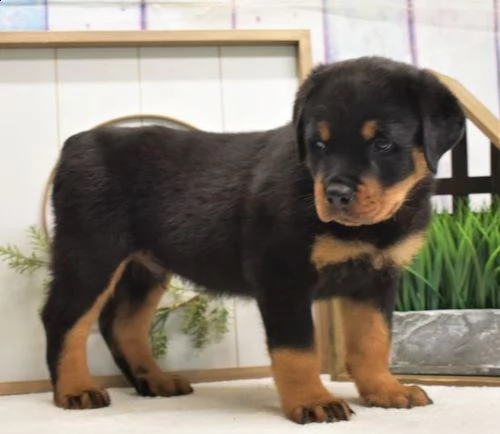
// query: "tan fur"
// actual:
[[328, 250], [131, 332], [73, 373], [296, 375], [322, 209], [375, 204], [149, 261], [369, 129], [367, 345], [324, 131]]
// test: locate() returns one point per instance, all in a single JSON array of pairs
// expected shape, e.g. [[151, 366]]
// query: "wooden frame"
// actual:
[[459, 185], [300, 39], [58, 39]]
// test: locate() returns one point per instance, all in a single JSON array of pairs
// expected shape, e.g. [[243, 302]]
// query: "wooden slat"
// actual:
[[58, 39], [495, 170], [478, 184], [460, 170]]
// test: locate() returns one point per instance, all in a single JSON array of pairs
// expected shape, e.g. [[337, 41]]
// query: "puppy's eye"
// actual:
[[381, 145], [321, 145]]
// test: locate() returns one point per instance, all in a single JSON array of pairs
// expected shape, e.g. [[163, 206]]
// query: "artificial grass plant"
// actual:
[[459, 266]]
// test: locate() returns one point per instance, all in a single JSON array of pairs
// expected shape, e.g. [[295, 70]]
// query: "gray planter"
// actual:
[[446, 342]]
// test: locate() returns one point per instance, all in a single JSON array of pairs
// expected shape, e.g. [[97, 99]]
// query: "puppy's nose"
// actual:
[[339, 193]]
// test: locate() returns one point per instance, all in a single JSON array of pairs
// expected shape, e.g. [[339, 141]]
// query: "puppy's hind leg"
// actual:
[[82, 282], [125, 323]]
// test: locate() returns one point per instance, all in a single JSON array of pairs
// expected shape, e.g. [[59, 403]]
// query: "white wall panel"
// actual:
[[251, 337], [183, 82], [94, 85], [258, 86], [28, 145]]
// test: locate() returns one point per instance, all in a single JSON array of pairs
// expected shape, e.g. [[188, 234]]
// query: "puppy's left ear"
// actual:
[[443, 121]]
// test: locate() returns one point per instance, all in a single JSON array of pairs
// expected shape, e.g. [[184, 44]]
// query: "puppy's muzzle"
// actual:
[[340, 193]]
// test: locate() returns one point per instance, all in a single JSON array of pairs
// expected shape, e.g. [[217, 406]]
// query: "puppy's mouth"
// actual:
[[370, 204]]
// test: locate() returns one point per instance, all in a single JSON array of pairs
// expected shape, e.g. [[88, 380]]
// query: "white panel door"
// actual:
[[28, 146]]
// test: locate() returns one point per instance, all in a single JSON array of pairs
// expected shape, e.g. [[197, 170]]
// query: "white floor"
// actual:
[[249, 406]]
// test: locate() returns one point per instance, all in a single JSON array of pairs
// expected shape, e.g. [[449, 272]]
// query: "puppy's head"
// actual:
[[369, 130]]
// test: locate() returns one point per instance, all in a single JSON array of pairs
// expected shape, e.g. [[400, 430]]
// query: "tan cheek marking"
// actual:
[[320, 201], [380, 204], [369, 129], [324, 131], [328, 250], [400, 190], [368, 195]]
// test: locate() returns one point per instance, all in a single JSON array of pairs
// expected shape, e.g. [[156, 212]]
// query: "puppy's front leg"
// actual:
[[295, 364], [367, 339]]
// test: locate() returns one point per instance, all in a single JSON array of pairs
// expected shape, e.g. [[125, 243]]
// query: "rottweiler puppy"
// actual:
[[333, 204]]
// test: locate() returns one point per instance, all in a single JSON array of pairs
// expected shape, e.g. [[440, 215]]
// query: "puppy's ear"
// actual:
[[443, 121], [302, 97]]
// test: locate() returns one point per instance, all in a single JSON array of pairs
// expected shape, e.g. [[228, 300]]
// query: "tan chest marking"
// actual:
[[328, 250]]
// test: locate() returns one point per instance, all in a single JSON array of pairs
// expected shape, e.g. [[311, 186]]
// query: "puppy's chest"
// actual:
[[328, 250], [352, 265]]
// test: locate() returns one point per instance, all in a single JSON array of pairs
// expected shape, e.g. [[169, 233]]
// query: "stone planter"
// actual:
[[446, 342]]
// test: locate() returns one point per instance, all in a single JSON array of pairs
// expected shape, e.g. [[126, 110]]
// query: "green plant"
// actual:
[[204, 318], [459, 267]]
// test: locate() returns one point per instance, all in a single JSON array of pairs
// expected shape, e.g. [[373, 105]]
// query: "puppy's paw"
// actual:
[[397, 396], [94, 397], [332, 411], [162, 384]]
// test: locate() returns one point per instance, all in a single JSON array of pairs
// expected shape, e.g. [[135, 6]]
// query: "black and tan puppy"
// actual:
[[333, 204]]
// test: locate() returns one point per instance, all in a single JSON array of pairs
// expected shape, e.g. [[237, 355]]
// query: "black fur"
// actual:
[[235, 212]]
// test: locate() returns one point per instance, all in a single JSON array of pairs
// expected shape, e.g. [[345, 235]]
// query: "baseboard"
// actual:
[[196, 376]]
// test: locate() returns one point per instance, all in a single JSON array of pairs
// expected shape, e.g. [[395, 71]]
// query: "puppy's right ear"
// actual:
[[302, 97]]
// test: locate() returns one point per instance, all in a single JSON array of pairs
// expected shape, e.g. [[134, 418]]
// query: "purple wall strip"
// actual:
[[46, 10], [143, 15], [233, 14], [496, 25], [411, 31], [327, 45]]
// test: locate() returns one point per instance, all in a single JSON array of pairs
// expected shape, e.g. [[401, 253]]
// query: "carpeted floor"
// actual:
[[249, 406]]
